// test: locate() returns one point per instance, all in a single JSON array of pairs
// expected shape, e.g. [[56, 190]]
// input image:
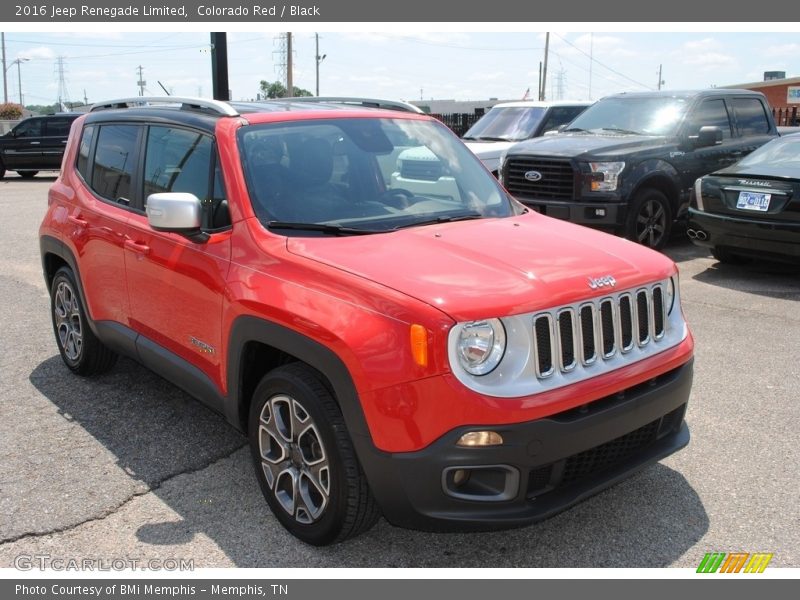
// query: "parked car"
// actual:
[[628, 163], [452, 362], [35, 144], [751, 209], [510, 122]]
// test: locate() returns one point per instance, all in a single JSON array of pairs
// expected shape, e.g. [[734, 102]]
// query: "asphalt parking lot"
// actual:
[[127, 466]]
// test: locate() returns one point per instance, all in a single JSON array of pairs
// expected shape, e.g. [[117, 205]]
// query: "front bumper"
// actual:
[[543, 467], [597, 214], [748, 236]]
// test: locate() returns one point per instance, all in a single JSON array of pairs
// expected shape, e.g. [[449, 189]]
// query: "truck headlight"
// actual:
[[605, 175], [480, 346], [670, 299]]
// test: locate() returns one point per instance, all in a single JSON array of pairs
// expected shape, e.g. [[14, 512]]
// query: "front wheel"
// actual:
[[27, 174], [304, 458], [649, 219]]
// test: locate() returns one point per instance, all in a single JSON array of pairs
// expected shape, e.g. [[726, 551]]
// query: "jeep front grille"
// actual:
[[599, 329], [557, 179]]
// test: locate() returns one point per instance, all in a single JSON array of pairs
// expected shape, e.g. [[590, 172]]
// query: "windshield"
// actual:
[[513, 123], [340, 176], [780, 157], [645, 116]]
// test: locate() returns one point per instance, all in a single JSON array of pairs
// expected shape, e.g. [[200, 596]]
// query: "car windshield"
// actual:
[[510, 123], [341, 176], [779, 158], [638, 115]]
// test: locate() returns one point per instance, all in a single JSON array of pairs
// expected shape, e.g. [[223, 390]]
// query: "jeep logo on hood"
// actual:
[[598, 282], [533, 176]]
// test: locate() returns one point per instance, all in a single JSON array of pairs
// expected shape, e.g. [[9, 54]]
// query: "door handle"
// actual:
[[137, 247], [77, 221], [63, 141], [35, 143]]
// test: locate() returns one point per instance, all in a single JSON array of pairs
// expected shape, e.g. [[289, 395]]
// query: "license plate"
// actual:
[[753, 201]]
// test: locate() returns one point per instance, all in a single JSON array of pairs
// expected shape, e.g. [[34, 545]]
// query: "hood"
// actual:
[[490, 267], [488, 150], [574, 145]]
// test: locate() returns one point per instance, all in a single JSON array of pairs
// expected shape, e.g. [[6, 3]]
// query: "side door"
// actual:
[[176, 286], [23, 150], [99, 214], [696, 162], [752, 124], [54, 140]]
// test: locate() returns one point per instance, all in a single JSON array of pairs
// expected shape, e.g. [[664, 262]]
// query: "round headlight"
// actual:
[[481, 345], [670, 299]]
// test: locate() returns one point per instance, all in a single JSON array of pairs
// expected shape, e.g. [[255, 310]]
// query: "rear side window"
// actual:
[[561, 115], [750, 116], [83, 152], [711, 113], [177, 160], [57, 127], [114, 161]]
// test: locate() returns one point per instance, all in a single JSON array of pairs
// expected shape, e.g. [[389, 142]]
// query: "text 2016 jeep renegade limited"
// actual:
[[451, 361]]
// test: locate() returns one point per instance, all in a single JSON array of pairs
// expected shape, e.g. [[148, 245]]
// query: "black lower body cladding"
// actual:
[[543, 467]]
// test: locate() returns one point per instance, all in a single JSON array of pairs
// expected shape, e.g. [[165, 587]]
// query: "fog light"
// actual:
[[460, 477], [600, 212], [480, 438]]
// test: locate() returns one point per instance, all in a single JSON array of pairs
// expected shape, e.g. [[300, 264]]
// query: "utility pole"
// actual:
[[319, 59], [219, 66], [660, 81], [5, 79], [63, 93], [289, 81], [591, 62], [85, 98], [539, 91], [543, 96], [141, 83]]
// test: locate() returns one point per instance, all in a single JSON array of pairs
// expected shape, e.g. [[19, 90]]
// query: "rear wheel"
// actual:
[[2, 170], [649, 219], [304, 458], [80, 349], [27, 174]]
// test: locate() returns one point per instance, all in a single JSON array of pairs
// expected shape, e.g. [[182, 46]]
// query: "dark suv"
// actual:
[[628, 163], [35, 144]]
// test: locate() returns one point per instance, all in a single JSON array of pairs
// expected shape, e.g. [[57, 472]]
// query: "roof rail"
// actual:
[[186, 103], [353, 101]]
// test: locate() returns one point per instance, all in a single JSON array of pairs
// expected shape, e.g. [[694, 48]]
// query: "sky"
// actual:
[[406, 63]]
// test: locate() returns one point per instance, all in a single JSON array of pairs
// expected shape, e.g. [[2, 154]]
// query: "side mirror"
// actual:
[[176, 212], [709, 135]]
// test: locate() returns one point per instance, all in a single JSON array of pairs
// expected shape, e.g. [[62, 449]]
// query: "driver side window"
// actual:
[[711, 112]]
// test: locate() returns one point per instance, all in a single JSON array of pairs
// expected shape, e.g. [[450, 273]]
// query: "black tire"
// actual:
[[649, 219], [725, 256], [80, 349], [307, 453], [27, 174], [2, 170]]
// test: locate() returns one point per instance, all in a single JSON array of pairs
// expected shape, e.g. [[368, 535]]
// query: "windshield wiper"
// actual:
[[323, 227], [441, 219], [574, 130], [618, 130]]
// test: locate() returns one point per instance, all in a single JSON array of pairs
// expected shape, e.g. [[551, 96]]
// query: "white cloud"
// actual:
[[40, 53], [781, 50]]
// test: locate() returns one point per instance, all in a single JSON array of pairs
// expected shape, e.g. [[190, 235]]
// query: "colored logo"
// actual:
[[734, 562]]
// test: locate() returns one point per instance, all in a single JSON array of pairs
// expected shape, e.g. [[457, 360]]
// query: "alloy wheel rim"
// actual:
[[651, 223], [69, 327], [293, 458]]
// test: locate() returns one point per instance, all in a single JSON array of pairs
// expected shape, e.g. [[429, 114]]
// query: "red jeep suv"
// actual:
[[449, 360]]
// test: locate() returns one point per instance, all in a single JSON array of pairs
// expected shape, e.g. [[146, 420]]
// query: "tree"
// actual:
[[10, 111], [277, 90]]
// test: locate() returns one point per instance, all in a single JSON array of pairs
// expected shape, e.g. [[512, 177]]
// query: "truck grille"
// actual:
[[557, 177], [601, 329], [426, 170]]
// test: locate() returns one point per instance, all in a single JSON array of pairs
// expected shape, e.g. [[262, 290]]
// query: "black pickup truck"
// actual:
[[35, 144], [628, 163]]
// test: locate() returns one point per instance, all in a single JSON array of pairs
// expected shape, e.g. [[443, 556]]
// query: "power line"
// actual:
[[593, 59]]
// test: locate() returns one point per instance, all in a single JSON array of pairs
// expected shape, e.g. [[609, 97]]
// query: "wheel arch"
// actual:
[[257, 345]]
